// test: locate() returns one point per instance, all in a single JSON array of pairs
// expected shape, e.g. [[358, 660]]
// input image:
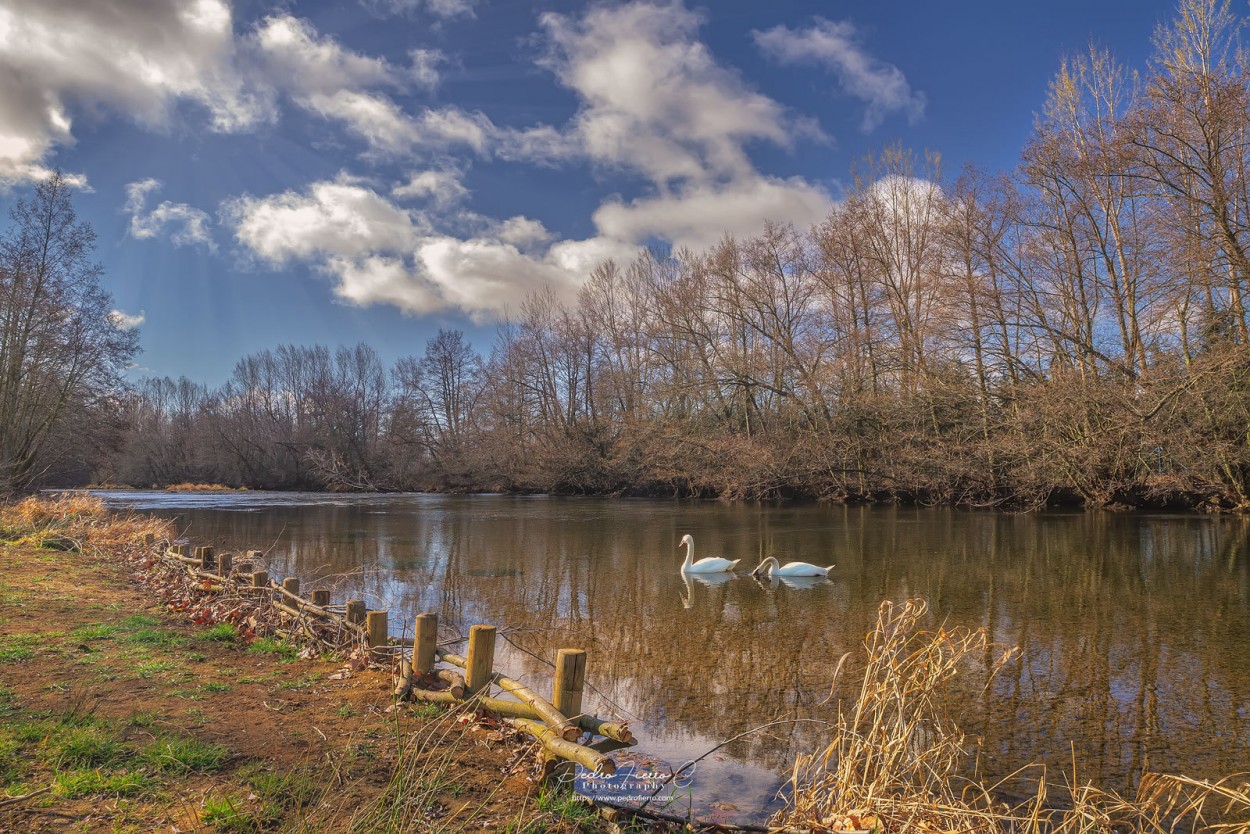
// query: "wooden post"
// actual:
[[481, 658], [376, 628], [291, 586], [356, 611], [208, 558], [179, 549], [225, 564], [260, 579], [321, 598], [149, 539], [566, 696], [427, 642]]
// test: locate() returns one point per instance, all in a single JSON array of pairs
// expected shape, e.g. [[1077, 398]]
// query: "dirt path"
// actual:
[[116, 716]]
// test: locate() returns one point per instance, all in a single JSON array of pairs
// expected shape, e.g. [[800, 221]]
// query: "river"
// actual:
[[1134, 628]]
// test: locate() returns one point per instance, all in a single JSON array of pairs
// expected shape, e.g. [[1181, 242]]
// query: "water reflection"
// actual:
[[1135, 629]]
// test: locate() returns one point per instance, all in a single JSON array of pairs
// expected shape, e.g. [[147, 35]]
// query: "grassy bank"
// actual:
[[118, 716]]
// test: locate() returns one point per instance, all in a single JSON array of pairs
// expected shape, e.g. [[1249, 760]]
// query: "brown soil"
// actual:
[[73, 652]]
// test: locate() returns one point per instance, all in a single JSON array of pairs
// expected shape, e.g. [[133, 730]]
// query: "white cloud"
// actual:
[[835, 45], [654, 100], [379, 253], [339, 218], [522, 232], [424, 67], [698, 217], [438, 8], [125, 321], [138, 57], [324, 78], [442, 187], [190, 225]]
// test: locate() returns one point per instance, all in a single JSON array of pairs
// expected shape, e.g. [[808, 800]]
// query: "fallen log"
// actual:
[[555, 719], [554, 744]]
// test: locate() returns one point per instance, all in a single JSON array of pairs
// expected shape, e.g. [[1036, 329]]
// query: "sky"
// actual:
[[269, 172]]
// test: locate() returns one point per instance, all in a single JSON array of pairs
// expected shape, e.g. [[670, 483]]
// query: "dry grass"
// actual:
[[76, 521], [896, 758]]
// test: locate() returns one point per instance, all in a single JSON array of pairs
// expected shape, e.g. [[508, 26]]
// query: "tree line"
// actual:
[[1074, 330]]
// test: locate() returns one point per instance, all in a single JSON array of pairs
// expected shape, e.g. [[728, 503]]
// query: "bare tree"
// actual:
[[59, 347]]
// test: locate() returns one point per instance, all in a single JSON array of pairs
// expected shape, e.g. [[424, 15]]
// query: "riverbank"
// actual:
[[121, 716]]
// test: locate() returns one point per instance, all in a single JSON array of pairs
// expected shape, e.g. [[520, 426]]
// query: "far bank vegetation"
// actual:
[[1072, 331]]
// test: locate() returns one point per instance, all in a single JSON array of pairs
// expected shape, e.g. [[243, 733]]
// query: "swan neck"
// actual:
[[689, 545]]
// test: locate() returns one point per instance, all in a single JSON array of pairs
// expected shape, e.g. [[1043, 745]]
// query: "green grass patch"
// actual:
[[428, 710], [566, 805], [18, 647], [184, 754], [304, 681], [74, 784], [95, 631], [267, 645], [221, 633], [91, 746], [137, 621], [227, 814], [147, 670], [215, 686]]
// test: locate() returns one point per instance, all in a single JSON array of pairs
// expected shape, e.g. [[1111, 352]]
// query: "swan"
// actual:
[[710, 564], [771, 567]]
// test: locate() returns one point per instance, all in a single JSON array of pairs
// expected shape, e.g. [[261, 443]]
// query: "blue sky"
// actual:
[[371, 170]]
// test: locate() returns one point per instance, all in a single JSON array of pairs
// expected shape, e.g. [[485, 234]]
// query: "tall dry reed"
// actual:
[[897, 758]]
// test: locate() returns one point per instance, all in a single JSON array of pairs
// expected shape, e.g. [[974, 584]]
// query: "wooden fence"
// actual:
[[566, 733]]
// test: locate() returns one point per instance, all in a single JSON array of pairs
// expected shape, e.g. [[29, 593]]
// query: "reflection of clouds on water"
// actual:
[[1107, 666]]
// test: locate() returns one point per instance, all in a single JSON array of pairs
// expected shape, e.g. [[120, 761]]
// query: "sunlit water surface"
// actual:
[[1134, 629]]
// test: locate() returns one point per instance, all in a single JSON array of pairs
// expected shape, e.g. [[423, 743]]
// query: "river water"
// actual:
[[1134, 629]]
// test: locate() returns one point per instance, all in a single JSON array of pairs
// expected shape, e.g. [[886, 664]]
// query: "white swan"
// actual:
[[771, 567], [710, 564]]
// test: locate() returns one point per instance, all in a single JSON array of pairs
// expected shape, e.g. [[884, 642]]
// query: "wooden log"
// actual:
[[178, 549], [260, 579], [454, 680], [225, 564], [481, 661], [556, 719], [207, 556], [499, 706], [290, 589], [615, 730], [321, 598], [149, 539], [375, 624], [423, 655], [404, 684], [566, 694], [356, 611], [551, 741]]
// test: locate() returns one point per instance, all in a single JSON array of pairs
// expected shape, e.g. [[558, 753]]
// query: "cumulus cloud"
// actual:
[[380, 253], [441, 187], [189, 225], [654, 100], [139, 57], [124, 321], [698, 217], [323, 77], [836, 46]]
